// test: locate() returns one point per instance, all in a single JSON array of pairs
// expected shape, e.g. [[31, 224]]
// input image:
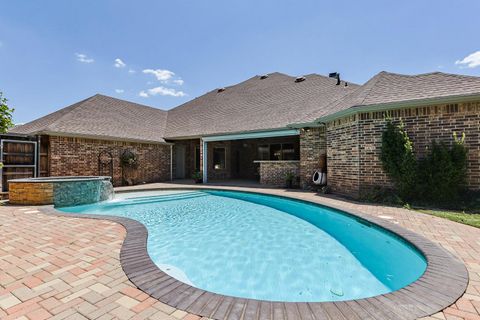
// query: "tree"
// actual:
[[5, 115]]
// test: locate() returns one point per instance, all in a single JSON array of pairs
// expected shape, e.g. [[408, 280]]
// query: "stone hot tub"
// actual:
[[60, 191]]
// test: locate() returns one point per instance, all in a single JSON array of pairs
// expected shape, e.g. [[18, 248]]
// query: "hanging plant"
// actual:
[[129, 159]]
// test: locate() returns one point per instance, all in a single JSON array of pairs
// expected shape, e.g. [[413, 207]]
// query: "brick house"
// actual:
[[263, 128]]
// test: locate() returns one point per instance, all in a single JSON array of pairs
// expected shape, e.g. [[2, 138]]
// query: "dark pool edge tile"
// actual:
[[450, 288]]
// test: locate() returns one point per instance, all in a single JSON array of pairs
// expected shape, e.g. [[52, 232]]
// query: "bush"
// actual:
[[398, 159], [442, 174]]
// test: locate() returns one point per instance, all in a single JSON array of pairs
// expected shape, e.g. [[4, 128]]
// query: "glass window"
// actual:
[[275, 152], [219, 160], [263, 152], [288, 151]]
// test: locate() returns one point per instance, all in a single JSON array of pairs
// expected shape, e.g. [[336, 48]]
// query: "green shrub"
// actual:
[[398, 159], [439, 178], [442, 174]]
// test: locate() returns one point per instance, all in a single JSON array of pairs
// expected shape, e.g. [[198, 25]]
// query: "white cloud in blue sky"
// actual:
[[162, 91], [161, 75], [119, 63], [81, 57], [470, 61], [119, 90]]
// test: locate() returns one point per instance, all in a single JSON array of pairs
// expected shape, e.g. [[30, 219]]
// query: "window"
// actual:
[[197, 158], [278, 151], [288, 151], [219, 160], [264, 152], [275, 152]]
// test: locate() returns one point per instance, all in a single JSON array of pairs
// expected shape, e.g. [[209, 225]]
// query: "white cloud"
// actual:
[[119, 90], [470, 61], [119, 63], [161, 91], [83, 58], [178, 81], [131, 71], [161, 75]]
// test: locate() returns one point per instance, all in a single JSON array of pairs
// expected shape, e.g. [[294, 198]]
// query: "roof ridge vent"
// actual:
[[221, 89], [300, 79], [265, 76]]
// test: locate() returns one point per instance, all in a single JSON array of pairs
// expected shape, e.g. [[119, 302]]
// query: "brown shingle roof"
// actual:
[[256, 104], [253, 105], [391, 88], [102, 117]]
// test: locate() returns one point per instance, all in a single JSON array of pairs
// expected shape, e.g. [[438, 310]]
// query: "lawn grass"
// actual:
[[471, 219]]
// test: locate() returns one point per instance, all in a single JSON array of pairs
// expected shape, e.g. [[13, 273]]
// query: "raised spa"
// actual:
[[60, 191], [265, 247]]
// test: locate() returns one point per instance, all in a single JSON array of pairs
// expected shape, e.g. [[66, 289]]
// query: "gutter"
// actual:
[[386, 107], [99, 137]]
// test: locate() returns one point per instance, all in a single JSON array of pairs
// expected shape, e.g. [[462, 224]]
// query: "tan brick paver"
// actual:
[[69, 268]]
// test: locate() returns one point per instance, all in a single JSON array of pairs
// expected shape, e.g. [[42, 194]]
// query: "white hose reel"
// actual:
[[319, 178]]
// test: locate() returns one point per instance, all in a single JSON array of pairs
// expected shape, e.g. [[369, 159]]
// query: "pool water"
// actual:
[[264, 247]]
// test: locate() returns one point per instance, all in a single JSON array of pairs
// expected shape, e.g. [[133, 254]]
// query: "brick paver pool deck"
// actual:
[[69, 268]]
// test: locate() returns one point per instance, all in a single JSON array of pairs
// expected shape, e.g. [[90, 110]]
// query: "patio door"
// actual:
[[179, 161]]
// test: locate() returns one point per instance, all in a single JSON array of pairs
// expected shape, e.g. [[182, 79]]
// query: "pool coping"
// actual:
[[443, 282]]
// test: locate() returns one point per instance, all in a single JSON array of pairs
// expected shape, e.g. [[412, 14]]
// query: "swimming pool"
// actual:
[[265, 247]]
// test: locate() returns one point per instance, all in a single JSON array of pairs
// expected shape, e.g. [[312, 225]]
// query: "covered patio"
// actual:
[[254, 157]]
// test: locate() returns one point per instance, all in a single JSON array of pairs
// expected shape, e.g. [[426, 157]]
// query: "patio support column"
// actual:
[[205, 161]]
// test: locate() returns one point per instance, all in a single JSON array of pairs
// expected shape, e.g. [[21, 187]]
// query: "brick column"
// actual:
[[313, 149]]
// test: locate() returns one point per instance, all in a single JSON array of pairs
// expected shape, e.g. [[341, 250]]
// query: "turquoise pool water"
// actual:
[[263, 247]]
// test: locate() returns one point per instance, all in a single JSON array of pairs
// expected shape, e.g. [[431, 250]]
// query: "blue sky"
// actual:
[[54, 53]]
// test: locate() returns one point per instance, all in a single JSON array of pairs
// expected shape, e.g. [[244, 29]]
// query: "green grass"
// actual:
[[471, 219]]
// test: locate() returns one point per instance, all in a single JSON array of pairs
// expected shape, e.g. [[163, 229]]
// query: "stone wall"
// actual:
[[79, 157], [21, 193], [313, 149], [354, 143], [273, 172]]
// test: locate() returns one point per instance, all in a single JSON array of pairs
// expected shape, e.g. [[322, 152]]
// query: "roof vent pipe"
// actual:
[[221, 90], [265, 76], [335, 75]]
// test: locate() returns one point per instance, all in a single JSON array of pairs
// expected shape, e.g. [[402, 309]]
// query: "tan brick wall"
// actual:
[[354, 143], [24, 193], [273, 172], [79, 157], [313, 147]]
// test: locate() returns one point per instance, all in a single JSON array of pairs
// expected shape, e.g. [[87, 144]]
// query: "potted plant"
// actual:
[[197, 176], [289, 177]]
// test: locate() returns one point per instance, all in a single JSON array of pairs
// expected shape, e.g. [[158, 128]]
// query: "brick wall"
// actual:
[[354, 143], [190, 146], [219, 174], [273, 172], [313, 149], [79, 157], [343, 156]]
